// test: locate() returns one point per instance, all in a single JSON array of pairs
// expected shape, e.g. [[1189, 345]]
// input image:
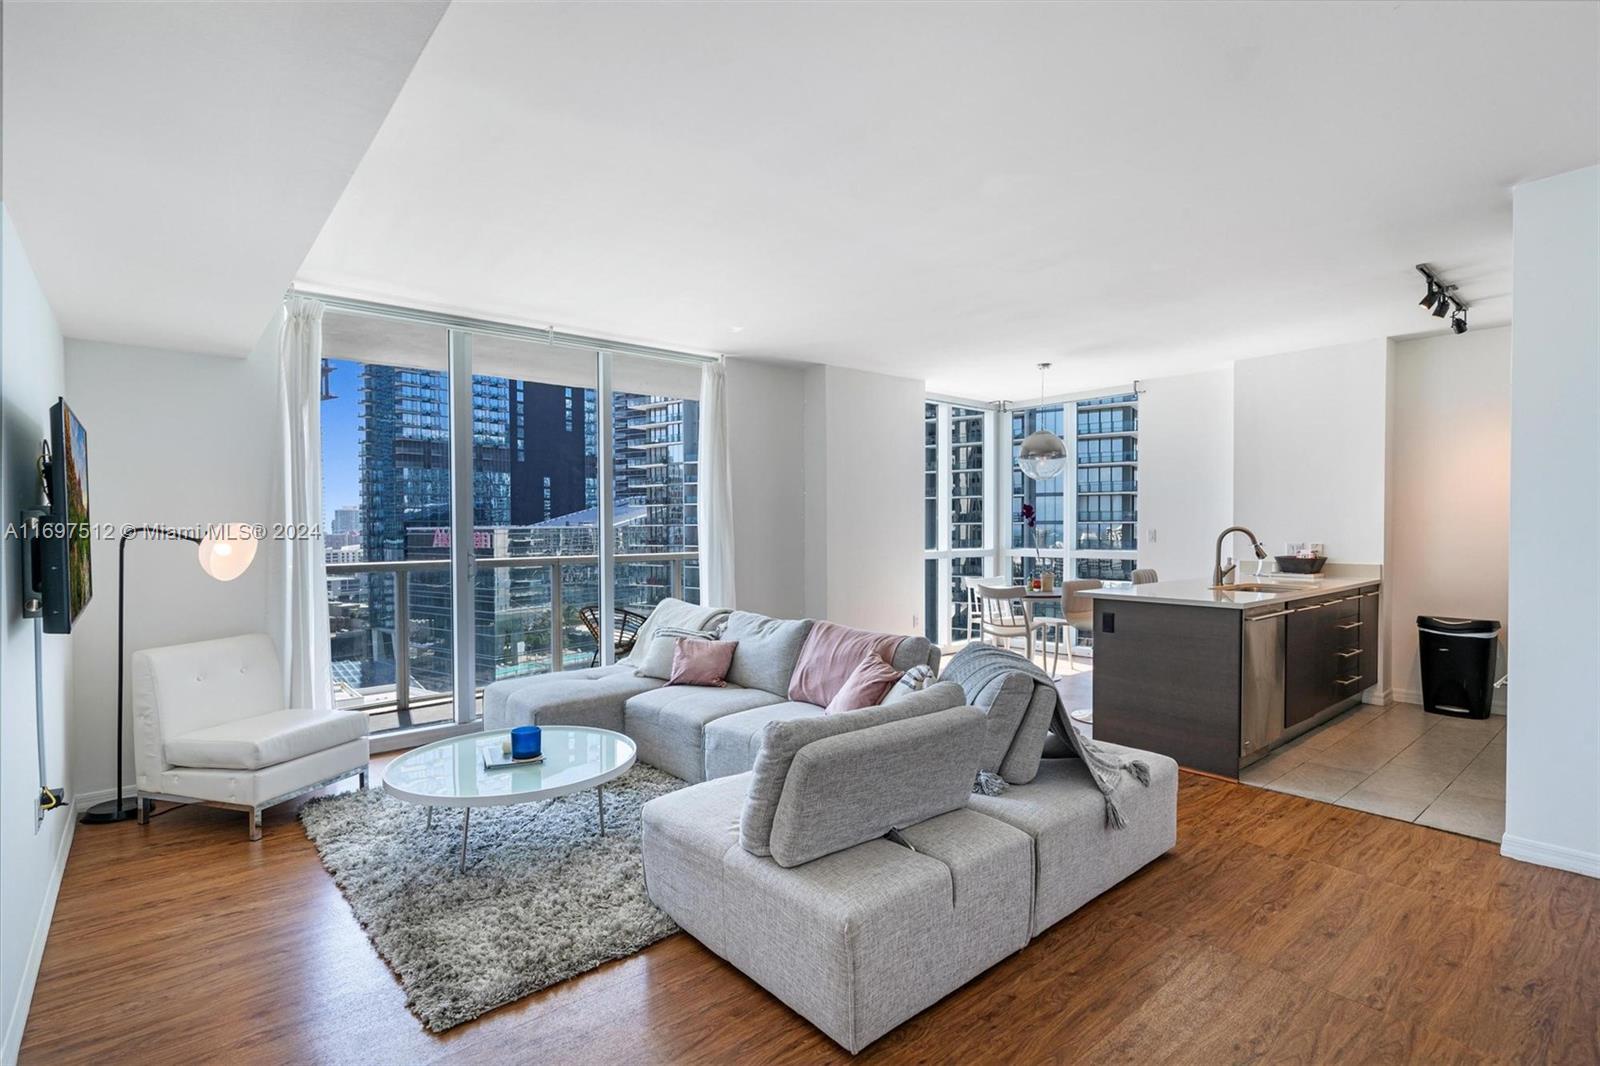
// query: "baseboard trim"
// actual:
[[1554, 855], [41, 932], [85, 800], [1378, 697]]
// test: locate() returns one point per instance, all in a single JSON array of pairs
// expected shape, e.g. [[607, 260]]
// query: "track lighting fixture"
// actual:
[[1438, 300]]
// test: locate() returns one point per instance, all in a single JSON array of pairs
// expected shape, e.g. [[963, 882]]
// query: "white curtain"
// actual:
[[715, 490], [300, 581]]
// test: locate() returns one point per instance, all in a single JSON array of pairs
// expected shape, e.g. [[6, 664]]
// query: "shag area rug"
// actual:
[[544, 896]]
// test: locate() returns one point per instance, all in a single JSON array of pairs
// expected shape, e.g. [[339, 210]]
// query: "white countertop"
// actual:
[[1199, 593]]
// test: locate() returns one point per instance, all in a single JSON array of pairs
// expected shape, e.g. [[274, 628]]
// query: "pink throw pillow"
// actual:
[[866, 686], [701, 662], [831, 652]]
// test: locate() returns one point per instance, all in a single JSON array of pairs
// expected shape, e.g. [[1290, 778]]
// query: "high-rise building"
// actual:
[[656, 464], [535, 493], [1107, 484], [346, 519]]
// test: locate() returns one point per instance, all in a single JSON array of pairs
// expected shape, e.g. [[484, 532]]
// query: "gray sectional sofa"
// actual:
[[843, 861]]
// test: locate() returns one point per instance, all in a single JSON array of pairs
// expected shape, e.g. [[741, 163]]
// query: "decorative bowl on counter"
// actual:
[[1293, 564]]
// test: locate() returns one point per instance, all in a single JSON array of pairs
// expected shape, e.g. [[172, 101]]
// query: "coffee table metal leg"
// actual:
[[430, 817], [600, 798], [466, 824]]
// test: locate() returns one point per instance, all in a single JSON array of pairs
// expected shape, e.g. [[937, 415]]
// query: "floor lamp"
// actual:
[[225, 553]]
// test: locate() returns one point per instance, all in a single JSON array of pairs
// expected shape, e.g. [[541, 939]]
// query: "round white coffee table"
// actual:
[[450, 773]]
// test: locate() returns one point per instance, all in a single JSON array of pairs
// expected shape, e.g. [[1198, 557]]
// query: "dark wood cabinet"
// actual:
[[1369, 639], [1214, 687], [1309, 663], [1330, 654]]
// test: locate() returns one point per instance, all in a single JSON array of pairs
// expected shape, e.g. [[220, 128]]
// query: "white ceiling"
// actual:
[[950, 191], [168, 165], [958, 191]]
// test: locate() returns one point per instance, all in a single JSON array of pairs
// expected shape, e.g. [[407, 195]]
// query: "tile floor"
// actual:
[[1400, 762]]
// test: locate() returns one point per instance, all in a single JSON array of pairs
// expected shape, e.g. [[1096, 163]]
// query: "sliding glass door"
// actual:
[[387, 516], [567, 474]]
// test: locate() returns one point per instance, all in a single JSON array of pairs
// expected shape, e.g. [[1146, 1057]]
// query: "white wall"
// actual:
[[765, 434], [1450, 505], [1553, 738], [31, 379], [1185, 471], [1309, 449], [178, 440], [863, 499]]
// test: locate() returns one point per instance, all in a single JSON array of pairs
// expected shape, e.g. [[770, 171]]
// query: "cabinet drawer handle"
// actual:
[[1348, 654], [1347, 680], [1351, 625], [1368, 595]]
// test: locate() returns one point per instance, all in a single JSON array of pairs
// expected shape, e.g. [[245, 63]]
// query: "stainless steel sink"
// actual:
[[1251, 586]]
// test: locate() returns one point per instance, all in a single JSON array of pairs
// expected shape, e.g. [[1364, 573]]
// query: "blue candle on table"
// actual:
[[525, 742]]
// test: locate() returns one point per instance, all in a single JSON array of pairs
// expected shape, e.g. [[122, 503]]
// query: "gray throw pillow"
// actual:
[[768, 650], [657, 661]]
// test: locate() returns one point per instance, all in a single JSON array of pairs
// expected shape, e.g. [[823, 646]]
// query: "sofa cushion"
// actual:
[[1027, 747], [1004, 702], [860, 940], [832, 653], [685, 835], [847, 789], [592, 697], [732, 743], [672, 612], [1076, 855], [668, 724], [913, 651], [782, 739], [768, 650], [264, 739]]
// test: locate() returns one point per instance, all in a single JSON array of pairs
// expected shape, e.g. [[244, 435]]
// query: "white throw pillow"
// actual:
[[915, 679], [657, 660]]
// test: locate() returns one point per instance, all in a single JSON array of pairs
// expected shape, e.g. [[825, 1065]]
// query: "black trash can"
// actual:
[[1458, 661]]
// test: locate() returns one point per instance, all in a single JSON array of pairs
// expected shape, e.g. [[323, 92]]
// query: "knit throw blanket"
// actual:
[[975, 666]]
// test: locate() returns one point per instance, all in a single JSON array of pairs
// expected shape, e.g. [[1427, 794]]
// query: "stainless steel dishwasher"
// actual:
[[1261, 677]]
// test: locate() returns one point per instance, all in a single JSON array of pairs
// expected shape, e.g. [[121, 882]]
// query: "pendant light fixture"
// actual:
[[1042, 455]]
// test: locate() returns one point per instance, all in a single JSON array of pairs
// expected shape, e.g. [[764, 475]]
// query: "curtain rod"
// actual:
[[552, 337]]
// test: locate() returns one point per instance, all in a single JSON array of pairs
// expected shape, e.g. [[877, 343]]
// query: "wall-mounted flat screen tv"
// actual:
[[65, 563]]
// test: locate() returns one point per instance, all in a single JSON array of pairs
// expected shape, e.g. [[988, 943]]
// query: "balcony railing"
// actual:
[[405, 696]]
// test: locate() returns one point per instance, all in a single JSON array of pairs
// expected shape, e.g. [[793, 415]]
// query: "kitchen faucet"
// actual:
[[1218, 574]]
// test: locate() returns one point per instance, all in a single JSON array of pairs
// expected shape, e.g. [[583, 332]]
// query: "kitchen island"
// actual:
[[1218, 677]]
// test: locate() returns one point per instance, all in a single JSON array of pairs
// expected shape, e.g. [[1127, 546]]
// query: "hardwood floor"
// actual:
[[1279, 930]]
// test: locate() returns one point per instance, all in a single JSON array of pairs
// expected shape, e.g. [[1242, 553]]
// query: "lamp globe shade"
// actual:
[[1042, 455], [227, 551]]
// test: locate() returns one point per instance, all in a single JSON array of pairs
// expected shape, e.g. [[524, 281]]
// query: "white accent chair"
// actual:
[[210, 726]]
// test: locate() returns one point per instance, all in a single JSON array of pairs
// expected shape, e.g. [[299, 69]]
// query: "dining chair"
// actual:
[[1077, 613], [1143, 577], [1005, 615], [970, 584]]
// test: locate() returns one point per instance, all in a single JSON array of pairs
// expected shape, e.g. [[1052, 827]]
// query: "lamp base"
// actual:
[[124, 810]]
